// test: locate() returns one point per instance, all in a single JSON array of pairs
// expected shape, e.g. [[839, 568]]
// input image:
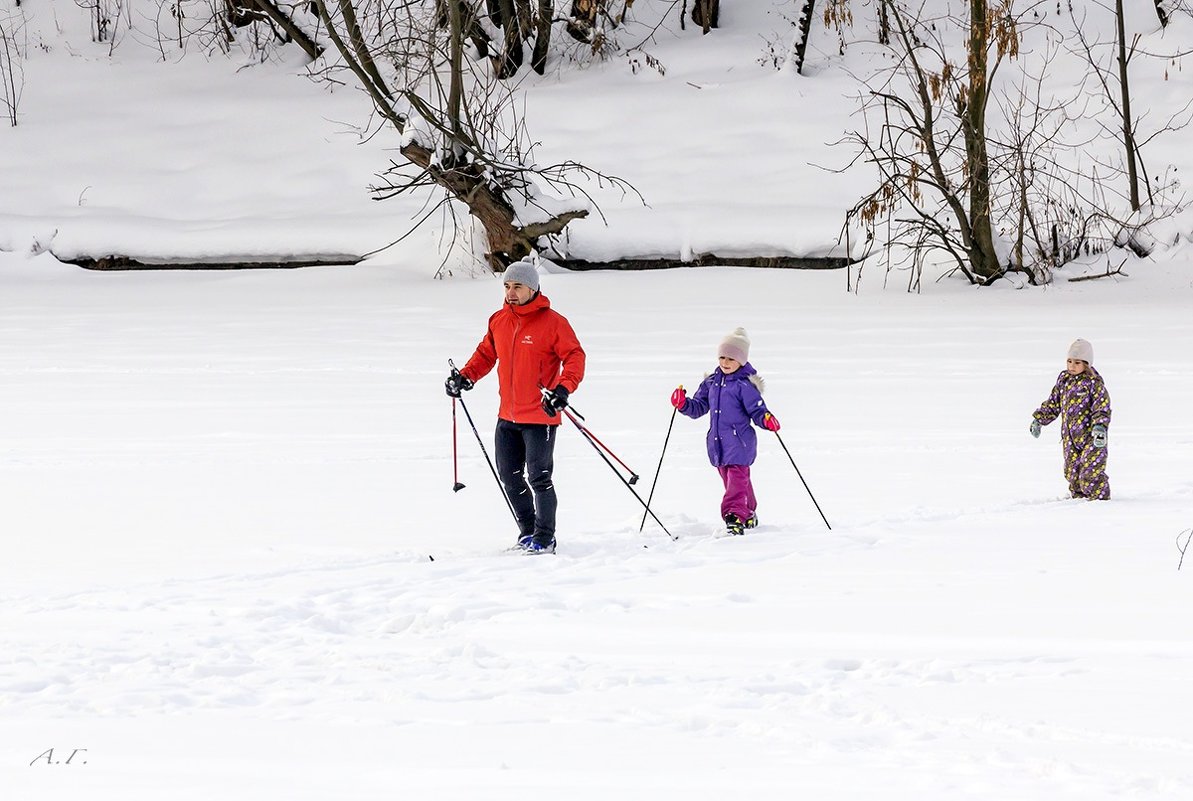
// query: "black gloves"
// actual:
[[456, 383], [555, 400]]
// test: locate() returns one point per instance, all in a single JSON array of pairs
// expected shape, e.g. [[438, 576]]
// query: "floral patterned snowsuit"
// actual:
[[1082, 402]]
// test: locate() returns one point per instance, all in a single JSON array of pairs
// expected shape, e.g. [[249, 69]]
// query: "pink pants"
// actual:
[[739, 497]]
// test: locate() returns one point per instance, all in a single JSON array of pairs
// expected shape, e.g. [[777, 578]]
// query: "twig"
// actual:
[[1107, 274]]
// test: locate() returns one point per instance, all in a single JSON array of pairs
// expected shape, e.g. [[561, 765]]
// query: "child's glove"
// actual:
[[1035, 428], [771, 422], [679, 398], [1099, 435]]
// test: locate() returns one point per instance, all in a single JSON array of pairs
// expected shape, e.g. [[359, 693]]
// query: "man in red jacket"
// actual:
[[534, 348]]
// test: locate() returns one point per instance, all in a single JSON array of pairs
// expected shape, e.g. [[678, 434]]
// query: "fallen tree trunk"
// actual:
[[113, 263], [116, 262], [507, 241], [708, 260]]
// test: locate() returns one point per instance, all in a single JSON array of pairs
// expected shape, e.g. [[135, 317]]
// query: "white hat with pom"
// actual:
[[736, 346]]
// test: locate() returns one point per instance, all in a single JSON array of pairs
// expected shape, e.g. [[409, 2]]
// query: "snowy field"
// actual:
[[234, 566]]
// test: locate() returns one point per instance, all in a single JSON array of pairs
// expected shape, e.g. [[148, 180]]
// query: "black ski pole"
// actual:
[[801, 478], [659, 469], [456, 486], [584, 432], [492, 469]]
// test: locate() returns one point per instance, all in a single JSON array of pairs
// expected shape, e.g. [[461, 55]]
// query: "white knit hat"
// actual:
[[522, 272], [736, 346], [1082, 350]]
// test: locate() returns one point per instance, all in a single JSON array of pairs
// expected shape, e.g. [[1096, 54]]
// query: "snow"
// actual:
[[235, 567]]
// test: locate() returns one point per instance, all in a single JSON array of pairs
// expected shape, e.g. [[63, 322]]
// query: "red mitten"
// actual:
[[679, 397], [771, 422]]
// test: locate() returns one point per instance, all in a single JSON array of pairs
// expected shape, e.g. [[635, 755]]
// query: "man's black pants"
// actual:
[[525, 461]]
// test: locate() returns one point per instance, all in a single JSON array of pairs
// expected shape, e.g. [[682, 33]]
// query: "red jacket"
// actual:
[[532, 346]]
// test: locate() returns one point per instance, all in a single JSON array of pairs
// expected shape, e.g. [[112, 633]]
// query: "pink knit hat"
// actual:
[[736, 346]]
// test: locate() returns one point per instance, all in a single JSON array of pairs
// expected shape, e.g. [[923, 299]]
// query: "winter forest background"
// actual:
[[234, 563], [982, 138]]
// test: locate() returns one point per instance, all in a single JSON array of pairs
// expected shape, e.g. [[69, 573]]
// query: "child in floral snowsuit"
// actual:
[[1081, 401], [732, 397]]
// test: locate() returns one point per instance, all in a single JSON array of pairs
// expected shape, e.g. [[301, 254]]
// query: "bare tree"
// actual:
[[443, 74], [104, 17], [12, 75], [461, 129], [1114, 86], [593, 21], [521, 22], [931, 146], [259, 27], [1006, 176], [1052, 207]]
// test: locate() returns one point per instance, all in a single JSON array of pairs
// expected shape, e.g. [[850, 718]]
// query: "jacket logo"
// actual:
[[527, 340]]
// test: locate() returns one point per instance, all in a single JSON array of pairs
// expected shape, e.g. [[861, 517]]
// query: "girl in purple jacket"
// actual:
[[732, 397]]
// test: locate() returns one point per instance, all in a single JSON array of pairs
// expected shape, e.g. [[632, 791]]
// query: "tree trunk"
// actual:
[[1161, 13], [542, 37], [468, 21], [508, 241], [982, 256], [507, 62], [455, 92], [286, 24], [1125, 88], [805, 29], [706, 13]]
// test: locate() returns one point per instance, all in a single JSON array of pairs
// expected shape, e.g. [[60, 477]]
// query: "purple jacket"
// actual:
[[733, 401], [1081, 402]]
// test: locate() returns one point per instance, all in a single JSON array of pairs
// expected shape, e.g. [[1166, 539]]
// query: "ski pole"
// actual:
[[492, 469], [659, 469], [801, 478], [592, 441], [633, 476], [593, 437], [456, 486]]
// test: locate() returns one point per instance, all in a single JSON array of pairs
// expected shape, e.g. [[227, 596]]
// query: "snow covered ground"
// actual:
[[234, 565]]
